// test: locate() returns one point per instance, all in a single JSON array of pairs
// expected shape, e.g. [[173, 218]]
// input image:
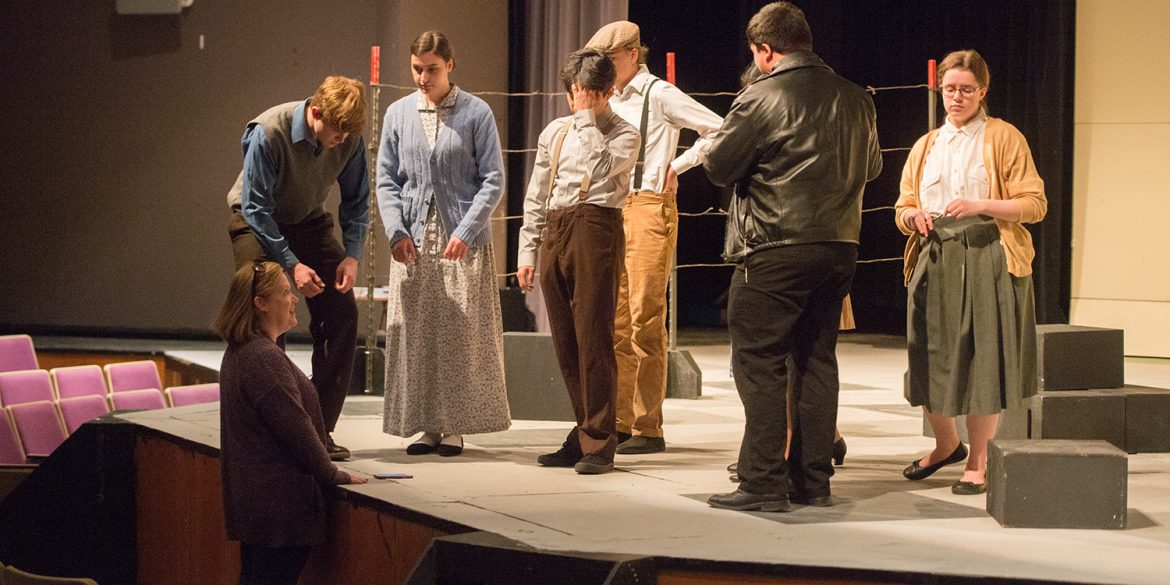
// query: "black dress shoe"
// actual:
[[967, 488], [839, 449], [747, 501], [915, 472], [815, 501], [567, 456], [639, 445], [336, 452], [623, 437]]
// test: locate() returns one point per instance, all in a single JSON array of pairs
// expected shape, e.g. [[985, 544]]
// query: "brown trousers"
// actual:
[[651, 229], [332, 315], [580, 261]]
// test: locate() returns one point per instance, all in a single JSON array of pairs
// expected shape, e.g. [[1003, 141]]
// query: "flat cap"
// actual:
[[622, 34]]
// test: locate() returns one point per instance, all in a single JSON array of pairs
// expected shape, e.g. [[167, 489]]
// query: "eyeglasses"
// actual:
[[257, 272], [966, 90]]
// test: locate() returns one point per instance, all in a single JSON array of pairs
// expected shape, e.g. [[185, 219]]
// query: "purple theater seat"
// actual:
[[79, 410], [39, 426], [11, 453], [78, 381], [148, 399], [25, 386], [192, 394], [138, 375], [17, 353]]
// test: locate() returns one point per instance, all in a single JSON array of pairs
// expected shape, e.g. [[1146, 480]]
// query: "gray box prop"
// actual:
[[1147, 419], [536, 390], [1081, 415], [1071, 357], [1057, 484], [684, 378]]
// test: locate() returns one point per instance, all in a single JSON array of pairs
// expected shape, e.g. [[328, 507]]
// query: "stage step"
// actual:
[[482, 557], [1057, 484], [536, 390]]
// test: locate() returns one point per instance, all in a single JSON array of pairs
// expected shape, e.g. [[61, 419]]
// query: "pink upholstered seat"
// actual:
[[11, 452], [25, 386], [133, 376], [148, 399], [192, 394], [79, 410], [39, 426], [17, 353], [78, 381]]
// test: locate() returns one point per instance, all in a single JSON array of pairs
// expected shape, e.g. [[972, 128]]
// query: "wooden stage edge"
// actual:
[[181, 540]]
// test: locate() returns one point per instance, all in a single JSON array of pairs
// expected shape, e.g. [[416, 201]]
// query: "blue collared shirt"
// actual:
[[260, 174]]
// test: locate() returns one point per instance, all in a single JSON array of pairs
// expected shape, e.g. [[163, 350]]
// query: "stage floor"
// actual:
[[656, 504]]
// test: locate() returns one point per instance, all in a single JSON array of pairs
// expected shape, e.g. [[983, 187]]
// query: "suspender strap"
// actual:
[[558, 142], [638, 167]]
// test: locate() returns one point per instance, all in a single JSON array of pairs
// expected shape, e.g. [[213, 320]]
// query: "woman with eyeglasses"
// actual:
[[440, 175], [272, 436], [967, 190]]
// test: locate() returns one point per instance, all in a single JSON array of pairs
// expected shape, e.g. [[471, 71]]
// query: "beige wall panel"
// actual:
[[1121, 204], [1145, 323], [1120, 44]]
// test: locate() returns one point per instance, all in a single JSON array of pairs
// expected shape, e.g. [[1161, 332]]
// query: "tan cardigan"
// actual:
[[1012, 175]]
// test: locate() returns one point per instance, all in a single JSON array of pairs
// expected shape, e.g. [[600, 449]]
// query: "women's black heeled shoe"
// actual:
[[839, 449], [915, 472]]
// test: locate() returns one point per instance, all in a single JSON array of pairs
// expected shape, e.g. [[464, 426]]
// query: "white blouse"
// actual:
[[954, 167]]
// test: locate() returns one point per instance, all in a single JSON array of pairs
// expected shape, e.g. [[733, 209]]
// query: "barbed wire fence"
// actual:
[[375, 224]]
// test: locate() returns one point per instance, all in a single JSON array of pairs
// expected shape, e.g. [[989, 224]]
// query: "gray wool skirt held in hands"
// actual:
[[971, 325]]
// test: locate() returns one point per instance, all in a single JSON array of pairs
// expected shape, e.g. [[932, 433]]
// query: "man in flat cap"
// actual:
[[650, 217]]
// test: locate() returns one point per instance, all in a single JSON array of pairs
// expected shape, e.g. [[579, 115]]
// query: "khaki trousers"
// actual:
[[640, 342]]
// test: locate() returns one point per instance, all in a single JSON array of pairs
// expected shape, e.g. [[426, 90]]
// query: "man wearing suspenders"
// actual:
[[572, 214], [659, 110]]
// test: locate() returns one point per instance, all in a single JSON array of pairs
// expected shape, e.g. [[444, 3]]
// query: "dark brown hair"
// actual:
[[782, 26], [432, 41], [590, 69]]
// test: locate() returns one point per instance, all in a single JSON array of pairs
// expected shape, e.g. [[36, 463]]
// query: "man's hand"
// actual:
[[526, 275], [456, 249], [346, 275], [585, 99], [307, 281], [403, 251], [671, 183]]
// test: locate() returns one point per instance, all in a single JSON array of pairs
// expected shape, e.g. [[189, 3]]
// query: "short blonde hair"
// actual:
[[238, 321], [342, 101]]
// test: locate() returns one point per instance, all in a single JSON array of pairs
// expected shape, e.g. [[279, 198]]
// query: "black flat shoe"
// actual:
[[967, 488], [419, 449], [915, 472], [446, 450], [746, 501], [839, 449]]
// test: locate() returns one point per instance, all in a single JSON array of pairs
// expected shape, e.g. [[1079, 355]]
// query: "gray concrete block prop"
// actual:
[[1147, 419], [536, 390], [684, 378], [1071, 357], [1057, 484], [1079, 415]]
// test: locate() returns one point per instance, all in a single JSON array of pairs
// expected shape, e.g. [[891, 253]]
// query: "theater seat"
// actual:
[[192, 394], [25, 386], [138, 375], [39, 426], [148, 399]]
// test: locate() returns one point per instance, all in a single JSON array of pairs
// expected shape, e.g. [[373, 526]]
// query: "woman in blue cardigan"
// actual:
[[440, 176]]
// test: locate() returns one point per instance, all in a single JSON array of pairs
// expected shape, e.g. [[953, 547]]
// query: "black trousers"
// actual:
[[786, 301], [261, 565], [580, 263], [332, 315]]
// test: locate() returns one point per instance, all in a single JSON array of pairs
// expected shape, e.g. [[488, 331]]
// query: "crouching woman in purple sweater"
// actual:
[[272, 436]]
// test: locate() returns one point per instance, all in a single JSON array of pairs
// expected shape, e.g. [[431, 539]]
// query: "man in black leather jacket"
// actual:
[[800, 142]]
